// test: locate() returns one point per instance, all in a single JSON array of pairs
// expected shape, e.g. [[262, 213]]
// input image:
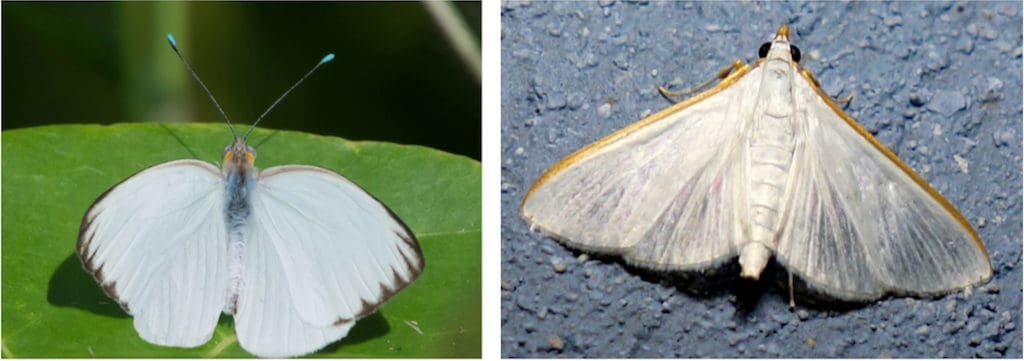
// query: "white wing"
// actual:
[[156, 243], [321, 254], [862, 224], [664, 192]]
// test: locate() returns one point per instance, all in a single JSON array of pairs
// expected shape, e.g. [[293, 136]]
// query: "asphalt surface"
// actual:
[[938, 83]]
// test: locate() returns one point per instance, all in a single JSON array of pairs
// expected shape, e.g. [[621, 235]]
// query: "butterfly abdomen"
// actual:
[[239, 182]]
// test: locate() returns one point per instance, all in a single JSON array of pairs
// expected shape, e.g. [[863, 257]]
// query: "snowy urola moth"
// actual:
[[764, 164], [295, 253]]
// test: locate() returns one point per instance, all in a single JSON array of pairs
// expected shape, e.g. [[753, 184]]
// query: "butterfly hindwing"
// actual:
[[330, 254]]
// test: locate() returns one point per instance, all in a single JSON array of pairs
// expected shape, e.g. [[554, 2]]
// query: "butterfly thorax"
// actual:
[[240, 177]]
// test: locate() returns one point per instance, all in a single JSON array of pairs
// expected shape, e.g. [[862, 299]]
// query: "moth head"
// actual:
[[780, 48]]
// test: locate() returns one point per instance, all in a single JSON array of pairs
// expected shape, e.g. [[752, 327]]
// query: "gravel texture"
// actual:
[[939, 83]]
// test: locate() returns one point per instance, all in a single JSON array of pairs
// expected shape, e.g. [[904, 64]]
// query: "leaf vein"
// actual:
[[221, 346]]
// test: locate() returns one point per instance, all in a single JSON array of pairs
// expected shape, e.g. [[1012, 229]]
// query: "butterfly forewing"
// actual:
[[155, 243]]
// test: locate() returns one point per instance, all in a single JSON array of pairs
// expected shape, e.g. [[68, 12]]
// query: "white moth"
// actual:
[[295, 253], [764, 164]]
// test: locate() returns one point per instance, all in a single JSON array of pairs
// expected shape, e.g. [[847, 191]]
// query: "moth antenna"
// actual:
[[174, 45], [327, 58]]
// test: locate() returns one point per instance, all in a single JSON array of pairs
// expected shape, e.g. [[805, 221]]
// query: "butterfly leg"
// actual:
[[722, 74]]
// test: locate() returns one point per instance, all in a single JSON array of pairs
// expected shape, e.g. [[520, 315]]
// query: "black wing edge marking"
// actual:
[[109, 288], [413, 266], [85, 239]]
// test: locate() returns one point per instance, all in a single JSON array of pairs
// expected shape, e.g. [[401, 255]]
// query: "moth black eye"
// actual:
[[795, 52], [763, 51]]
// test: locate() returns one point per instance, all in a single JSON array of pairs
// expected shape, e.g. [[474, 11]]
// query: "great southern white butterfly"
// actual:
[[295, 253], [764, 164]]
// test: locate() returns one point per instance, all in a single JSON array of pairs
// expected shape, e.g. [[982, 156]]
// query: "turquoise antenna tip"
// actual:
[[171, 39], [327, 58]]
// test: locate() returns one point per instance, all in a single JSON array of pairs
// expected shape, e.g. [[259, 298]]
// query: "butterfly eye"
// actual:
[[793, 50], [763, 51]]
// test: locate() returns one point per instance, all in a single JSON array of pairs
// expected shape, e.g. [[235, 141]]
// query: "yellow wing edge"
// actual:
[[741, 70]]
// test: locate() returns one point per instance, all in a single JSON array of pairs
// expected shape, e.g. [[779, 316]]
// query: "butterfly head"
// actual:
[[239, 154]]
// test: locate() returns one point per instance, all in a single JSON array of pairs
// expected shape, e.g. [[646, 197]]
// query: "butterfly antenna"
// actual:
[[174, 45], [327, 58]]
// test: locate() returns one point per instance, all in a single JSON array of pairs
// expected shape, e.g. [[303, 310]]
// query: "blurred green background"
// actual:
[[396, 77]]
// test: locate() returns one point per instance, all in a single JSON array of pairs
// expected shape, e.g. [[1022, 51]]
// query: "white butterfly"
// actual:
[[295, 253], [762, 165]]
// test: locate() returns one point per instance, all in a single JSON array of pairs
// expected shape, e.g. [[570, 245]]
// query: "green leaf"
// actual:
[[52, 308]]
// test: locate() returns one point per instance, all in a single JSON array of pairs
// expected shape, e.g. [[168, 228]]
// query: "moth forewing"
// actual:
[[920, 181], [590, 190], [865, 224], [762, 164]]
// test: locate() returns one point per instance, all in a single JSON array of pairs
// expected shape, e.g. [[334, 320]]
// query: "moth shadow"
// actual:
[[724, 280], [807, 297], [71, 286], [718, 282]]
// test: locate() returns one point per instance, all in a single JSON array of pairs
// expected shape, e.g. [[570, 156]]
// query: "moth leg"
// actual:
[[675, 96], [792, 300]]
